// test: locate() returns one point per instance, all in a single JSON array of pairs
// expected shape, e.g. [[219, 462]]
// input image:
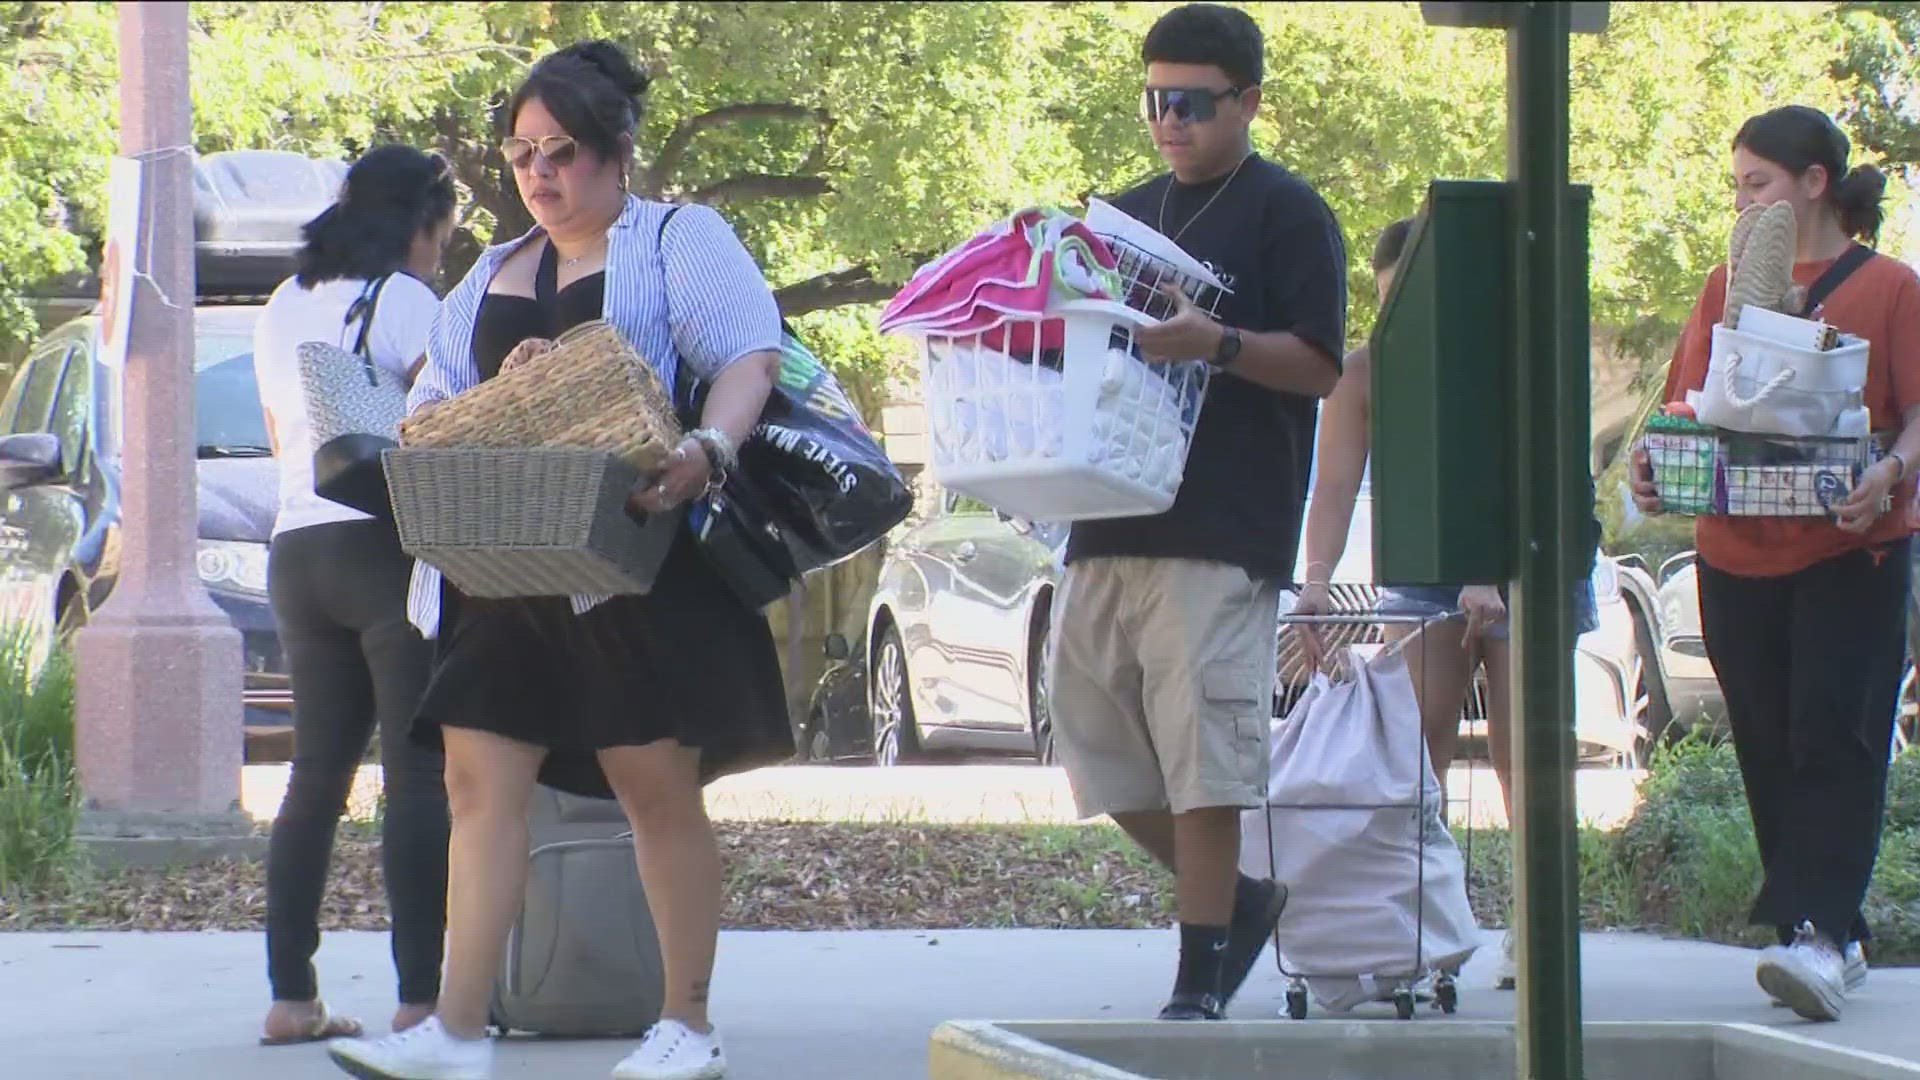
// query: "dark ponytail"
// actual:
[[392, 194], [1797, 138], [1858, 197]]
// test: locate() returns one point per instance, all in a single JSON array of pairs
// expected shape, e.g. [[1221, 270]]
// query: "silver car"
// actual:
[[954, 654]]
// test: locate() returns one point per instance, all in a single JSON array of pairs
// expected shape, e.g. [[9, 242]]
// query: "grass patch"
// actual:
[[39, 796]]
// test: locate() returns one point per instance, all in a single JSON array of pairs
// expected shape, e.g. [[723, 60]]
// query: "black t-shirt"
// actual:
[[1273, 241]]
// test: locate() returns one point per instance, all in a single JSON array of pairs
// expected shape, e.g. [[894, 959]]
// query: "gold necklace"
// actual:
[[1168, 190]]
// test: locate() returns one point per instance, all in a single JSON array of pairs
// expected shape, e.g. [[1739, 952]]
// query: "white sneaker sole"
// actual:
[[1798, 989], [1855, 978], [362, 1070], [713, 1070]]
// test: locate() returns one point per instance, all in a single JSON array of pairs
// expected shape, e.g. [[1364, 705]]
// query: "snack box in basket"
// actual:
[[542, 521]]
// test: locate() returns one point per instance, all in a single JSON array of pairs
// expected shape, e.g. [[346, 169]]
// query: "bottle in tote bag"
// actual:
[[354, 409]]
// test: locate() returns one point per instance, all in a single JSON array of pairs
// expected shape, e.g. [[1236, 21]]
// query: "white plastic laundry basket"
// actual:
[[1085, 432]]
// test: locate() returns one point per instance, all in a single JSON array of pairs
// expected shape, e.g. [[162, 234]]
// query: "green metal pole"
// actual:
[[1552, 420]]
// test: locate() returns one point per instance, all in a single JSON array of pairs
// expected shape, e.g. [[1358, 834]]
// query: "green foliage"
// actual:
[[850, 141], [1879, 64], [39, 796]]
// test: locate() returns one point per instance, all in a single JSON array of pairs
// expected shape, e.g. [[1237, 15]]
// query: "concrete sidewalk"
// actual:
[[793, 1006]]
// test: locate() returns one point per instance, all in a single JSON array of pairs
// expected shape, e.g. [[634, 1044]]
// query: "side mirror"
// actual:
[[837, 648], [29, 459]]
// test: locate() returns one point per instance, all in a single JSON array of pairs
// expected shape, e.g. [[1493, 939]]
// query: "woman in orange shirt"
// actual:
[[1804, 618]]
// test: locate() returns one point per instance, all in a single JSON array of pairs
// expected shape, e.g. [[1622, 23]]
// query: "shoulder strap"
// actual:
[[546, 280], [363, 309], [660, 237], [1843, 267]]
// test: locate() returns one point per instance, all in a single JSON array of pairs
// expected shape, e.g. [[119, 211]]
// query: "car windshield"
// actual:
[[228, 419]]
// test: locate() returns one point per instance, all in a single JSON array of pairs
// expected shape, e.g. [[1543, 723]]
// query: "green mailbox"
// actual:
[[1444, 390]]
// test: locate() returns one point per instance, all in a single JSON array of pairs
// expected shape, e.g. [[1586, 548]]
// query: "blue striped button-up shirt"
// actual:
[[691, 295]]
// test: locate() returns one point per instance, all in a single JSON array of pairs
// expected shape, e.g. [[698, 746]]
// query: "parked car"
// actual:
[[60, 520], [953, 654], [60, 510]]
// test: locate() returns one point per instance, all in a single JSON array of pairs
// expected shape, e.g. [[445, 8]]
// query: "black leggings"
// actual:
[[339, 595], [1810, 666]]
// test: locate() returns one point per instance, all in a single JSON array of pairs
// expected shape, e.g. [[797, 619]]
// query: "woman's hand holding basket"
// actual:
[[524, 352], [688, 472], [1870, 498], [1646, 493]]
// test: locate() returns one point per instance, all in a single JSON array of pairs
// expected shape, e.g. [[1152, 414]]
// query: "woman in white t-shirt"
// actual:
[[338, 584]]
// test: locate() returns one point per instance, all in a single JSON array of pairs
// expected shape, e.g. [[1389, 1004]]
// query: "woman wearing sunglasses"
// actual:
[[592, 695]]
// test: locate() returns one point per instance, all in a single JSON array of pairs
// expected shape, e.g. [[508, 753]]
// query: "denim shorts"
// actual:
[[1432, 601]]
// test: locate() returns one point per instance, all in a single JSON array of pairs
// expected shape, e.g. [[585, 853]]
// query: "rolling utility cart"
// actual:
[[1358, 831]]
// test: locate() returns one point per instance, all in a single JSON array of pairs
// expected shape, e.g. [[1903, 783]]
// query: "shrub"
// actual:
[[39, 794]]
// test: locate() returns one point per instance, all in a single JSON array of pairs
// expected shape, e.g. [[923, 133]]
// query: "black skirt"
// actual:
[[687, 662]]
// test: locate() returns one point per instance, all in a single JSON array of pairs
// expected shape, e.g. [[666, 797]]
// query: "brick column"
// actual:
[[158, 714]]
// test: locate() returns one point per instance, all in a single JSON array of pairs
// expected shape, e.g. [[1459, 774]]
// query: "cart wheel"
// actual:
[[1403, 1004], [1447, 996], [1297, 1004]]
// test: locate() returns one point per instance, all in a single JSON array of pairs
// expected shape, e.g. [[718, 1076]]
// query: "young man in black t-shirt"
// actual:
[[1166, 627]]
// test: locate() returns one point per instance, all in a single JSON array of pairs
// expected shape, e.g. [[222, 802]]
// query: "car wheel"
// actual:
[[1039, 703], [812, 745], [895, 737]]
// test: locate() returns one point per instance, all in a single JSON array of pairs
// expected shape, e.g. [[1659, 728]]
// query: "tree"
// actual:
[[848, 142], [1879, 65]]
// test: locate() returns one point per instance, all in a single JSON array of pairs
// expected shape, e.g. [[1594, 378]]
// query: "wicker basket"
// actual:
[[591, 392], [533, 522]]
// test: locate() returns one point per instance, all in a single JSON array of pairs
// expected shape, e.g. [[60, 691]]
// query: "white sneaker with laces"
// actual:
[[673, 1051], [1808, 975], [1854, 974], [426, 1051]]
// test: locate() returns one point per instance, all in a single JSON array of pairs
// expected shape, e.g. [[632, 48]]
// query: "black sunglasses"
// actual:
[[1194, 104]]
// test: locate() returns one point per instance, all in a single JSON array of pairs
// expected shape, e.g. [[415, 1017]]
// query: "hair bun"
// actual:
[[1864, 185], [611, 61]]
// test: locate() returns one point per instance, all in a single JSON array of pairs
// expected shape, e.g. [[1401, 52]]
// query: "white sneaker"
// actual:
[[1854, 973], [426, 1051], [673, 1051], [1808, 975], [1505, 976]]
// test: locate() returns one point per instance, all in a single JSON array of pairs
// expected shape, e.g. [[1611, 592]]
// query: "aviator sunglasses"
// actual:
[[557, 149], [1193, 104]]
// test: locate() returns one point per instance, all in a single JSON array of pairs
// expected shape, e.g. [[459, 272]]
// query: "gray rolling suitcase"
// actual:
[[582, 960]]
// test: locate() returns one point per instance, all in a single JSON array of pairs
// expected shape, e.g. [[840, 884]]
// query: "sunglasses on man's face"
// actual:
[[559, 150], [1190, 104]]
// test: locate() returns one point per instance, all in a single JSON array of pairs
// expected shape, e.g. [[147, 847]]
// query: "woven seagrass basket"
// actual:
[[592, 391], [539, 521]]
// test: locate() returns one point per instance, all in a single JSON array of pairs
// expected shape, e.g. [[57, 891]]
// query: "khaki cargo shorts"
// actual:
[[1162, 686]]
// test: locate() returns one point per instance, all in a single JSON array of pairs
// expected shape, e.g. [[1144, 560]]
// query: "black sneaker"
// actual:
[[1194, 1005], [1246, 943]]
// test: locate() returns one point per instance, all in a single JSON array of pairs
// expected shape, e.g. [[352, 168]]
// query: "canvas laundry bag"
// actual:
[[1343, 831]]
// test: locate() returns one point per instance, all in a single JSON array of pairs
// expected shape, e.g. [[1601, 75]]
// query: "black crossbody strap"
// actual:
[[363, 309], [1843, 267]]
